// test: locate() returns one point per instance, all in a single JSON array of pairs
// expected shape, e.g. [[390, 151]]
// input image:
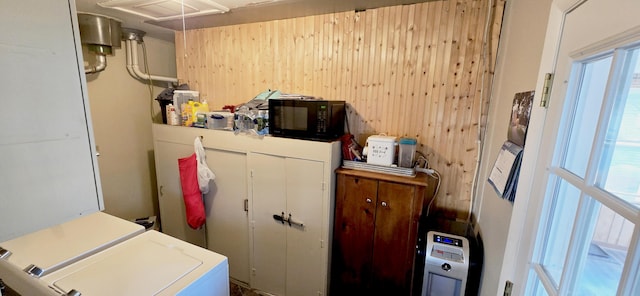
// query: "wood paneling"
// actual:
[[421, 70]]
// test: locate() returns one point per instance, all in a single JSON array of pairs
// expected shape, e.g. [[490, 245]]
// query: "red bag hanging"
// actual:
[[191, 191]]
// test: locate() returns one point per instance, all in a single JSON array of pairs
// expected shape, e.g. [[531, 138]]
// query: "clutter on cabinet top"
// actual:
[[165, 98], [379, 155], [253, 116], [187, 109], [380, 150]]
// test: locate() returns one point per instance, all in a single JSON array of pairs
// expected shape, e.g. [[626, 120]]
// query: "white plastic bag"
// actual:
[[204, 173]]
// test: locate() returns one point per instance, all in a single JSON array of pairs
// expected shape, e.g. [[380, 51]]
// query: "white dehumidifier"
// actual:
[[446, 266]]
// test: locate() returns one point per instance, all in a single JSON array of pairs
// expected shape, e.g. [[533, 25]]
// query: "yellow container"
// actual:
[[199, 108]]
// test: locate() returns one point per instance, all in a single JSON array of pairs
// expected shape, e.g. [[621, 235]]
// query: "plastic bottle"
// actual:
[[187, 113], [172, 116]]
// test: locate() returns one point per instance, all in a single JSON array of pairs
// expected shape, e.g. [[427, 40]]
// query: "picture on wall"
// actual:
[[520, 114]]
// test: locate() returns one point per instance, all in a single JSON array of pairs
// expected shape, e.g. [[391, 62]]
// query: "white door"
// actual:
[[306, 271], [227, 220], [170, 200], [287, 257], [269, 245], [584, 208]]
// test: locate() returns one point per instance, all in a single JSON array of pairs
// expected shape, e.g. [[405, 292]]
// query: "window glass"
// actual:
[[563, 212], [535, 287], [587, 108], [603, 259], [619, 167]]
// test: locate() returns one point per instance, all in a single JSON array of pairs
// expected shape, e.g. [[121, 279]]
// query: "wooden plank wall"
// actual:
[[412, 70]]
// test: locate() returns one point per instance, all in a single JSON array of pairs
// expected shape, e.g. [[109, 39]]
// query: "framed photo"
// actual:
[[520, 114]]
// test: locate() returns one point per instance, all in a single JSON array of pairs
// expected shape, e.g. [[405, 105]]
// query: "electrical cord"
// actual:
[[431, 172]]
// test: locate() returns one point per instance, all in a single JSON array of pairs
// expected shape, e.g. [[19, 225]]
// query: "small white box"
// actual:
[[381, 150]]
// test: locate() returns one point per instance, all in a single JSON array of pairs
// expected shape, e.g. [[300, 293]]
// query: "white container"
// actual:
[[406, 152], [381, 150], [183, 97], [172, 116], [220, 120]]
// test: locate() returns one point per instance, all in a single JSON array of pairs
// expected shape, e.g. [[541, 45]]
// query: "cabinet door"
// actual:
[[268, 178], [306, 267], [227, 220], [394, 243], [354, 226], [287, 260], [170, 200]]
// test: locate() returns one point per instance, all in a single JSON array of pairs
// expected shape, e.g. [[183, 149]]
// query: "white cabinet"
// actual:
[[288, 257], [227, 222], [257, 178], [47, 151], [172, 209], [226, 230]]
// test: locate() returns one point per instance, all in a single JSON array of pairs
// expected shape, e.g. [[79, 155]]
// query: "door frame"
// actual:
[[526, 211]]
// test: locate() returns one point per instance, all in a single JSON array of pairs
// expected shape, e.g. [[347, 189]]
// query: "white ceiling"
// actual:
[[239, 11], [139, 22]]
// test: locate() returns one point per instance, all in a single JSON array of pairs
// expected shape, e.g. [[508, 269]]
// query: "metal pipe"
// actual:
[[101, 64], [134, 70]]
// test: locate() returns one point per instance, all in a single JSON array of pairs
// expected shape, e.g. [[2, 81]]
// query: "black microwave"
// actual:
[[310, 119]]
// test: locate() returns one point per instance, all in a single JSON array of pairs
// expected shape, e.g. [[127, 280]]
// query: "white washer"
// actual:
[[99, 254], [446, 265], [152, 263]]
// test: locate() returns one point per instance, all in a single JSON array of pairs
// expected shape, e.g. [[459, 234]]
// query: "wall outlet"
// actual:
[[508, 286]]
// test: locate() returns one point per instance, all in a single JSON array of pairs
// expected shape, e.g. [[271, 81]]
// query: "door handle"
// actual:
[[294, 223], [280, 218], [384, 204]]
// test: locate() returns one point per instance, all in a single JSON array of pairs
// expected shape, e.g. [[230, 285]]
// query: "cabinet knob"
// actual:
[[368, 200], [384, 203]]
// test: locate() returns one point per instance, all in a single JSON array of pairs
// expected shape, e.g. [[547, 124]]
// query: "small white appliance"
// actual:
[[446, 265], [381, 150]]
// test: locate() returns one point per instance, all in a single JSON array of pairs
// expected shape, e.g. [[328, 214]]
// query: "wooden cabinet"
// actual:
[[256, 178], [375, 231]]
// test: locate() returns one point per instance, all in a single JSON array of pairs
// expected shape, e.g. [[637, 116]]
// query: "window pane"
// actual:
[[563, 212], [599, 273], [619, 168], [536, 288], [588, 105]]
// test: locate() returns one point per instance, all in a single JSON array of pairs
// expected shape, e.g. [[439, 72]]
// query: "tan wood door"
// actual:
[[393, 240], [354, 226]]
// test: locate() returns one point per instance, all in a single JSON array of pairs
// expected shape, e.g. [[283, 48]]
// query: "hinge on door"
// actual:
[[508, 288], [324, 186], [246, 205], [546, 90], [321, 244], [251, 173]]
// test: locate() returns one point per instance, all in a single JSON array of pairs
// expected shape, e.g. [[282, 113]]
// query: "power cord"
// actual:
[[431, 172]]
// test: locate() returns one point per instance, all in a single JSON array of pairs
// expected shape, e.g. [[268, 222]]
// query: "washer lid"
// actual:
[[147, 264], [52, 248]]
